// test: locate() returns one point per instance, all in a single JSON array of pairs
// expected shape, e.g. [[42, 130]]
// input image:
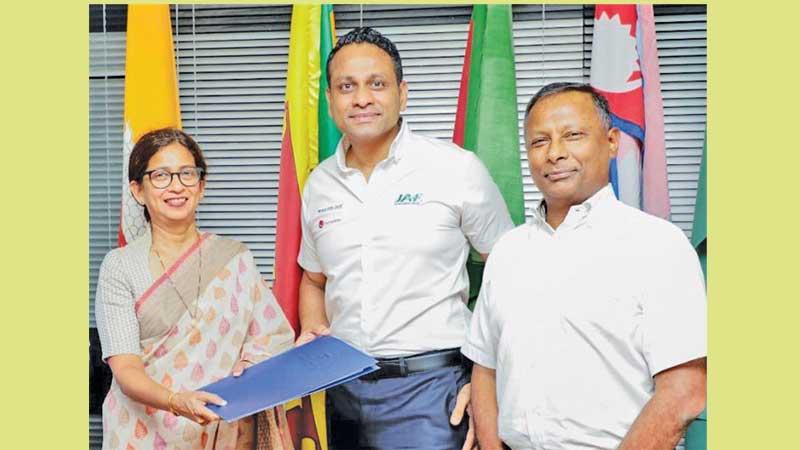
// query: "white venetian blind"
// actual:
[[681, 34], [106, 84], [232, 75], [106, 72]]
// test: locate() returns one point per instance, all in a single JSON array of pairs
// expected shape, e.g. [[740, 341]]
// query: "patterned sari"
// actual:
[[185, 347]]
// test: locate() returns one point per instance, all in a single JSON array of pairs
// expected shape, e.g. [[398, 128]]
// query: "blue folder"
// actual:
[[320, 364]]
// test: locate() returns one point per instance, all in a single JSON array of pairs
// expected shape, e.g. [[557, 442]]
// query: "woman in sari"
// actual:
[[177, 309]]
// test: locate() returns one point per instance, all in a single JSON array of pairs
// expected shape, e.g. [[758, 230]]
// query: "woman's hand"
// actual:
[[240, 366], [192, 405]]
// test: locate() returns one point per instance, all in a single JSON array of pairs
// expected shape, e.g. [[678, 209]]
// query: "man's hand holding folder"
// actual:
[[308, 336]]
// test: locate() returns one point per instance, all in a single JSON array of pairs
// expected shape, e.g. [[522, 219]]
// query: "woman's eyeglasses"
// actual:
[[188, 176]]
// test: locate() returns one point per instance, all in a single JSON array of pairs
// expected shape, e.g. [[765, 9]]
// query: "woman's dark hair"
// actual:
[[150, 143]]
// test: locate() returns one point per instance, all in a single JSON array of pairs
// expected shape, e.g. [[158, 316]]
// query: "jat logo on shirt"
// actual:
[[409, 199]]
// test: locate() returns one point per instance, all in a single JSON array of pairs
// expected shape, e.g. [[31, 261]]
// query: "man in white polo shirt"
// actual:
[[590, 328], [387, 225]]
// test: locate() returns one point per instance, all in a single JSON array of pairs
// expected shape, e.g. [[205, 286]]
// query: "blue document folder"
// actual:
[[320, 364]]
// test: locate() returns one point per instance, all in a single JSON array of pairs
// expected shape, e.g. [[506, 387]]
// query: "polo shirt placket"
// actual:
[[369, 221]]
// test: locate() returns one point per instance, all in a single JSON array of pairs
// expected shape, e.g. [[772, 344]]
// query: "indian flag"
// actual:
[[309, 136], [151, 97]]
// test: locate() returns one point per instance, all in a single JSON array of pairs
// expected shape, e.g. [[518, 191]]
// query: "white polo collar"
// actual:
[[578, 214], [396, 149]]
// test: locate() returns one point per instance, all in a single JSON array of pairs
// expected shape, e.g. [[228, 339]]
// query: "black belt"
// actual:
[[406, 365]]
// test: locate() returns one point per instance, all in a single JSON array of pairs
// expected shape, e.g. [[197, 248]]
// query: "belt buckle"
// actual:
[[403, 367]]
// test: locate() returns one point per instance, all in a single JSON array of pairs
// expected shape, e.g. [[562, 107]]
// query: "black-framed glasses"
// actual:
[[188, 176]]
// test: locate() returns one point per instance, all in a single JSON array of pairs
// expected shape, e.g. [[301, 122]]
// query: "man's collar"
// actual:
[[396, 149], [599, 198]]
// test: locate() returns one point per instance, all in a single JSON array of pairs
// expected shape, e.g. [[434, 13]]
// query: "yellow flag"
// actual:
[[151, 95]]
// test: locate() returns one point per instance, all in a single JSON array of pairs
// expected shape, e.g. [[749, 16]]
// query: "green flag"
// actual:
[[696, 437], [699, 229], [486, 119], [329, 135]]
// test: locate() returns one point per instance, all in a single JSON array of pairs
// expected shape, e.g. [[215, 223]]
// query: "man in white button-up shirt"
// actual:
[[590, 328], [387, 225]]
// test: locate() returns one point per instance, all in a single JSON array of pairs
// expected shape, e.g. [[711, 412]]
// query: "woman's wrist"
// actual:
[[170, 403]]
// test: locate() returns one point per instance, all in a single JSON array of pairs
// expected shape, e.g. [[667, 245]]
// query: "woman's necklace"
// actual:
[[195, 304]]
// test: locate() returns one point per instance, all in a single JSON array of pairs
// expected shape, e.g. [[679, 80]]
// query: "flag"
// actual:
[[699, 231], [309, 136], [151, 97], [696, 434], [625, 70], [486, 116]]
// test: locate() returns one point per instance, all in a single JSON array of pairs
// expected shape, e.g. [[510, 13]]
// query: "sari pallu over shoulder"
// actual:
[[188, 345]]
